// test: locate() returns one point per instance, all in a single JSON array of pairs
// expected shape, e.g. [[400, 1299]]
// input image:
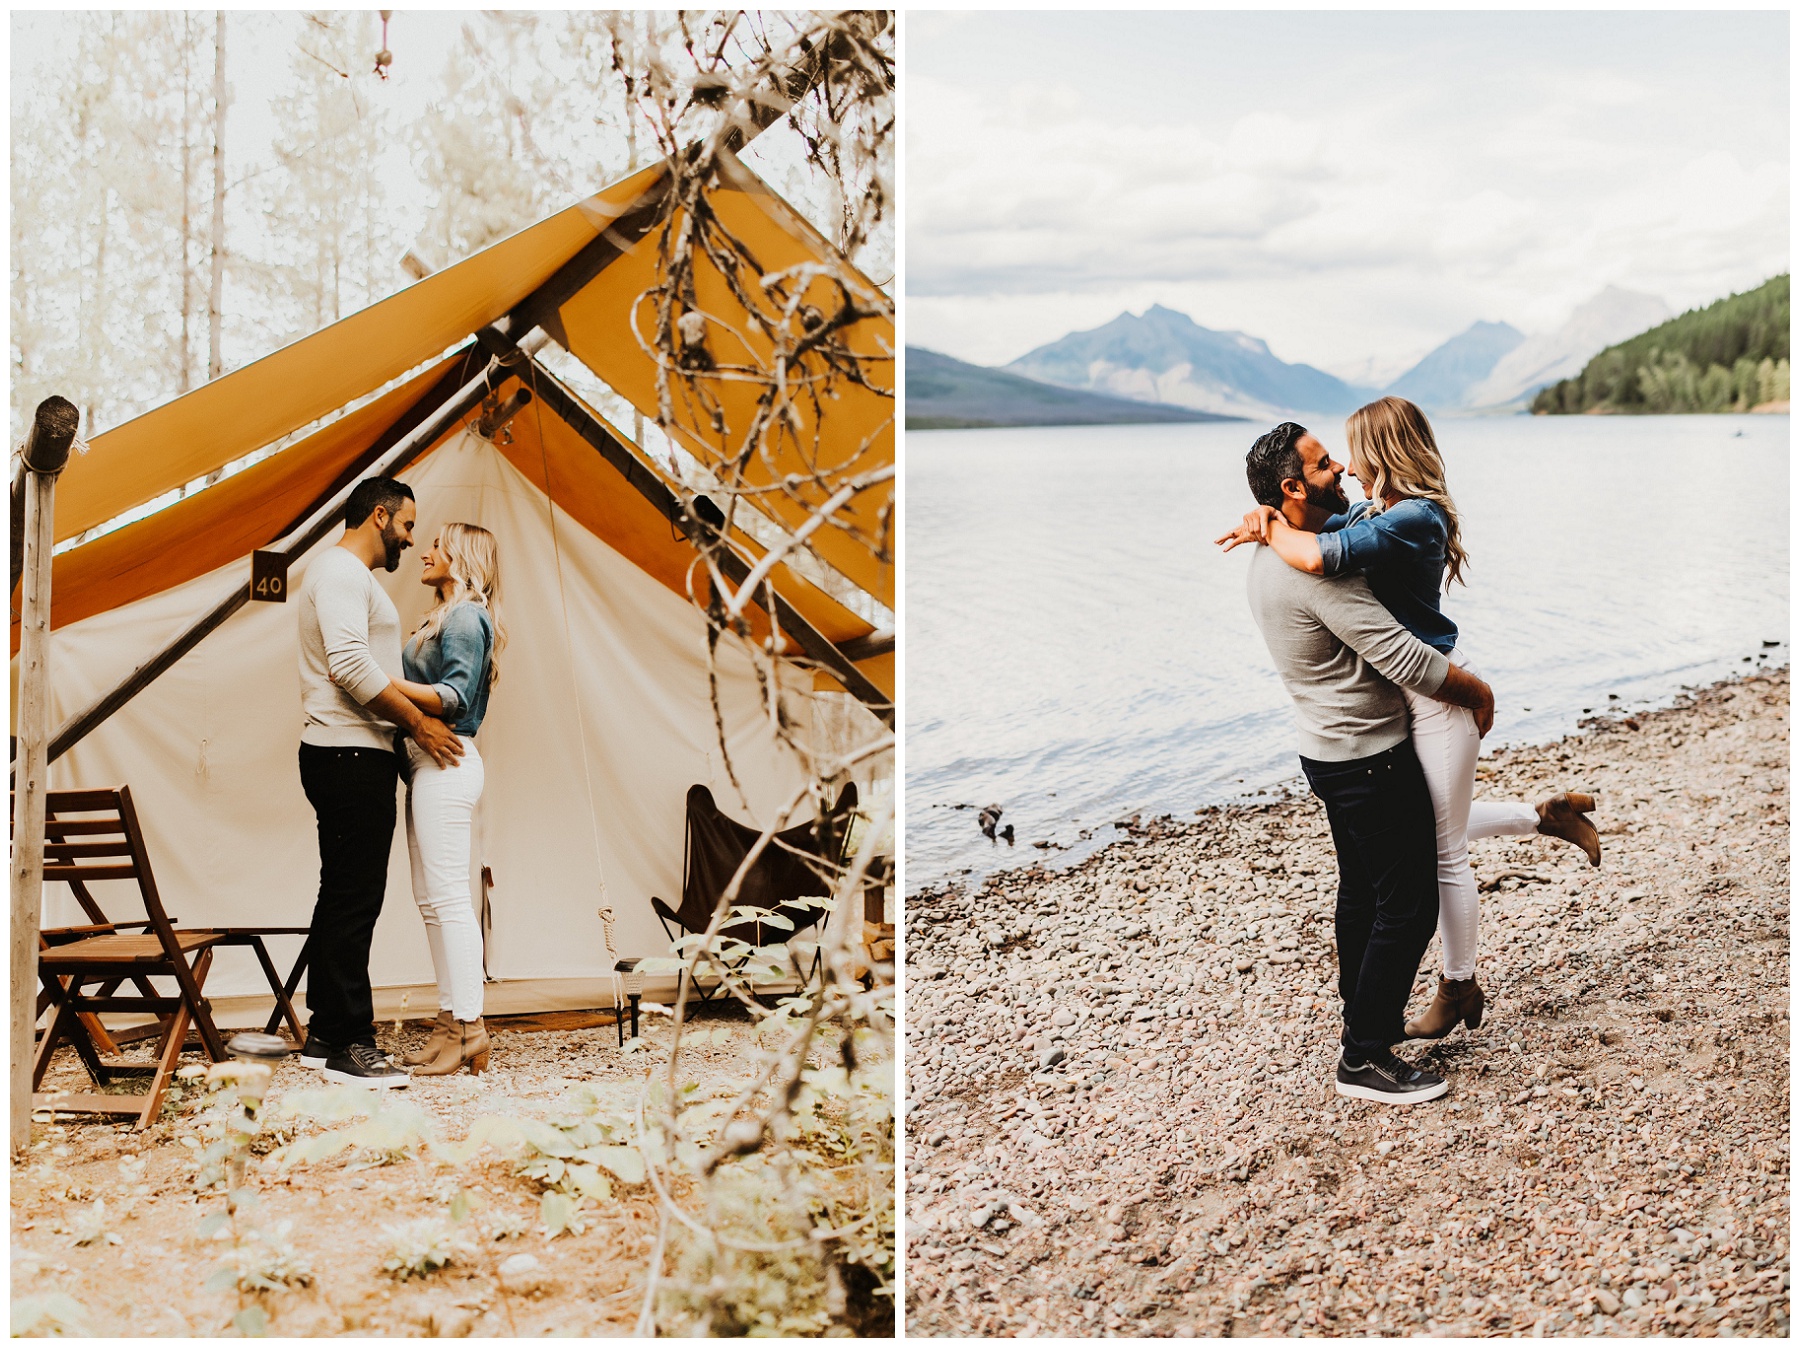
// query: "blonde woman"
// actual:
[[449, 668], [1403, 539]]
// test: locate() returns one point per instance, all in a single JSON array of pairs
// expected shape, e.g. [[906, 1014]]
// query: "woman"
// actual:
[[449, 668], [1403, 539]]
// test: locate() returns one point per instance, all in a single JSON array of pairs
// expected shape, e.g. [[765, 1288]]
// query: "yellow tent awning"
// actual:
[[852, 435], [247, 409]]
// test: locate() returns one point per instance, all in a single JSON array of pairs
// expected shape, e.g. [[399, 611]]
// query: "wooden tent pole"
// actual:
[[46, 453], [654, 490], [297, 541]]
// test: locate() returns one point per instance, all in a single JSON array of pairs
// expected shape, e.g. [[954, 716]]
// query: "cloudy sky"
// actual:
[[1350, 187]]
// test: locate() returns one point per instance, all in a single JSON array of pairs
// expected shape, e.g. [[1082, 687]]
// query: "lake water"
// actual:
[[1078, 650]]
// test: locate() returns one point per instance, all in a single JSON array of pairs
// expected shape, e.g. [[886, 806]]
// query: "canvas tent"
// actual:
[[602, 717]]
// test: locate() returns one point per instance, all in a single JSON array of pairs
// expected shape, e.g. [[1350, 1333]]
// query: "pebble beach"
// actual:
[[1120, 1118]]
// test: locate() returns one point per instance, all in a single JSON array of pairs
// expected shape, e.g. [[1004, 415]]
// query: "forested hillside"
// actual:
[[1730, 356]]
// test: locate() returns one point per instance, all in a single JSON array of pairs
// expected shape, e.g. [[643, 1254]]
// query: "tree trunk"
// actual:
[[187, 200], [215, 307], [96, 316]]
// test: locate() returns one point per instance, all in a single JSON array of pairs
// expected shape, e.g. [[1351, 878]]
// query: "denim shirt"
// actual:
[[455, 664], [1400, 552]]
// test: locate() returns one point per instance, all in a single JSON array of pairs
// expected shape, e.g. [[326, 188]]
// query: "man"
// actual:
[[1340, 655], [349, 639]]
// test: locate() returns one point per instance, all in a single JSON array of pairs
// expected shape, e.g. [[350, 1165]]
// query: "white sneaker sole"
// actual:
[[347, 1079], [1417, 1097]]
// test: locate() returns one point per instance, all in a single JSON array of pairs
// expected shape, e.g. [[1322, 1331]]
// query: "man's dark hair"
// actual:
[[1273, 459], [371, 492]]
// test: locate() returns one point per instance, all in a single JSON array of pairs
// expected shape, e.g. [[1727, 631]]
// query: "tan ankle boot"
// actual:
[[466, 1047], [441, 1030], [1458, 1001], [1565, 816]]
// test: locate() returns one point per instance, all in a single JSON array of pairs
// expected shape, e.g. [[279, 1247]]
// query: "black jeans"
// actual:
[[352, 792], [1387, 904]]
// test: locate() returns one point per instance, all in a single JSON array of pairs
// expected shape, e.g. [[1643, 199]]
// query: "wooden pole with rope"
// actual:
[[45, 455]]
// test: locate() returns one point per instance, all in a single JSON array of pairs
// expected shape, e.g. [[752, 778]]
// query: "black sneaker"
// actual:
[[315, 1051], [364, 1065], [1387, 1081]]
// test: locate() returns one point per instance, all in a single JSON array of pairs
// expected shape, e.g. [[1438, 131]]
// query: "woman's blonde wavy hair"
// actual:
[[1393, 451], [474, 559]]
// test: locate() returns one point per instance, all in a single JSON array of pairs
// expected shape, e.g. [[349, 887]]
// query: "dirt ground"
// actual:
[[150, 1280], [1120, 1116]]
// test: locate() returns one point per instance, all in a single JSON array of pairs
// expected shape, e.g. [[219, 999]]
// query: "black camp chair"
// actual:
[[799, 862]]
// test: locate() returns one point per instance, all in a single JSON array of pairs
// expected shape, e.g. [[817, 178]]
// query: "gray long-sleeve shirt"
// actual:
[[350, 631], [1340, 654]]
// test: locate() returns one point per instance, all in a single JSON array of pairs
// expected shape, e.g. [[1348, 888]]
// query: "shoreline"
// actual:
[[1060, 858], [1120, 1117]]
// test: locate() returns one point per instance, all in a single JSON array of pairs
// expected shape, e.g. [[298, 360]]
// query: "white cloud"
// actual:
[[1334, 182]]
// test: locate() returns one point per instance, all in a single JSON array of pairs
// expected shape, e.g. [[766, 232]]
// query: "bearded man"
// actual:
[[349, 643], [1343, 659]]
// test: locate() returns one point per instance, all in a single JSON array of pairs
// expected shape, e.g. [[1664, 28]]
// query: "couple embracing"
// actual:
[[377, 712], [1391, 715]]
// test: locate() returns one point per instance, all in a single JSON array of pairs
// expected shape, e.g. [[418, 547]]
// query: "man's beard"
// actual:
[[395, 545], [1330, 498]]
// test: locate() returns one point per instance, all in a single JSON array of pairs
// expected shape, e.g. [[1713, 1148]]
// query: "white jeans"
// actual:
[[440, 809], [1446, 741]]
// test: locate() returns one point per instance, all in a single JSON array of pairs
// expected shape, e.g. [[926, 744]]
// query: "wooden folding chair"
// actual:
[[798, 862], [91, 836]]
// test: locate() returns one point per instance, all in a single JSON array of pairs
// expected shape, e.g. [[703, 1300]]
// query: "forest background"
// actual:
[[161, 236]]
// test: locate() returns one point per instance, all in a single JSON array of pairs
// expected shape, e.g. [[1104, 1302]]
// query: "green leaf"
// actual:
[[459, 1207], [583, 1134], [625, 1162], [212, 1225], [546, 1137], [558, 1212], [252, 1322], [589, 1182], [492, 1130], [221, 1280], [583, 1099], [776, 920], [55, 1314]]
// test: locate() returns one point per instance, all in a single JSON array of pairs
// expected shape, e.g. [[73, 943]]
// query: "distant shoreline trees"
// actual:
[[1730, 356]]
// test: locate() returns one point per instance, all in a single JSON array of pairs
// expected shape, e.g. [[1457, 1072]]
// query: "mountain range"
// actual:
[[943, 392], [1164, 356], [1445, 376], [1609, 317], [1161, 365]]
